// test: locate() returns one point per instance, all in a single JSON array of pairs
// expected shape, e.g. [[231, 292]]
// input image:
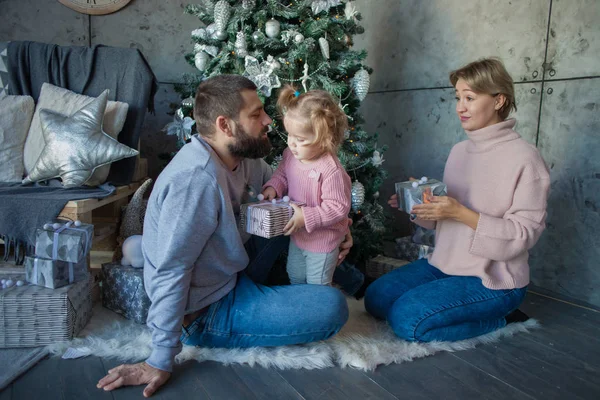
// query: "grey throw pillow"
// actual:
[[15, 117]]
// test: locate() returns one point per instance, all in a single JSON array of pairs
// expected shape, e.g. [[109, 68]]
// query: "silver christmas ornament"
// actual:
[[299, 38], [272, 28], [360, 84], [358, 195], [324, 5], [248, 4], [377, 159], [201, 61], [189, 102], [222, 12], [324, 45], [262, 75], [240, 45], [211, 50], [258, 35]]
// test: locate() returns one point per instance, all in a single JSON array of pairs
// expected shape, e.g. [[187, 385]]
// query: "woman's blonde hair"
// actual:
[[321, 112], [488, 76]]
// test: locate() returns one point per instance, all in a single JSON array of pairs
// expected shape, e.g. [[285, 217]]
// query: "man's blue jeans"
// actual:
[[256, 315], [421, 303]]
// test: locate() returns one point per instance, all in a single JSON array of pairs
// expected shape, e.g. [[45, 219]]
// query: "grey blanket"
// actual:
[[89, 71], [23, 209]]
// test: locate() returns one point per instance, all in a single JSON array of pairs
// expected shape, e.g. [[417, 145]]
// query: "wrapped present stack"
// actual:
[[61, 251], [32, 315], [123, 291], [266, 218], [411, 193]]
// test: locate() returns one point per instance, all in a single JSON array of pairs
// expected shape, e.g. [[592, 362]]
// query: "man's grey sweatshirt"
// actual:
[[191, 244]]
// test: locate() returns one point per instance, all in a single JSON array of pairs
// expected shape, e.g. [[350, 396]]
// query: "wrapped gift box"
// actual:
[[53, 273], [32, 316], [381, 265], [418, 192], [407, 250], [123, 291], [265, 218], [68, 242]]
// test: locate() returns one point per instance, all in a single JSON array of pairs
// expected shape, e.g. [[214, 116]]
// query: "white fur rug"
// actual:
[[363, 343]]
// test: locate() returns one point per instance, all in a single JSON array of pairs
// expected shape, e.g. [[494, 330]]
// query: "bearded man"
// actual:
[[204, 277]]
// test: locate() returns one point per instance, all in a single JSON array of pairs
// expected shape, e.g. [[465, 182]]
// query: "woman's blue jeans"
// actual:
[[256, 315], [423, 304]]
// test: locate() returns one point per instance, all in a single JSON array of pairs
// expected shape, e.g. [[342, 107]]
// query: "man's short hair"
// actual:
[[220, 95]]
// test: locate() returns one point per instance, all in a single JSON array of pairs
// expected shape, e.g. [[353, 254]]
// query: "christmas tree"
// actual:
[[306, 43]]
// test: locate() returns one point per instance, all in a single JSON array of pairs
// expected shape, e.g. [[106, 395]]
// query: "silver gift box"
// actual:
[[409, 196], [123, 291], [264, 218], [53, 273], [69, 244]]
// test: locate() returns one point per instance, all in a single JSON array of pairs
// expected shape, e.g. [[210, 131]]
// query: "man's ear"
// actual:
[[225, 125]]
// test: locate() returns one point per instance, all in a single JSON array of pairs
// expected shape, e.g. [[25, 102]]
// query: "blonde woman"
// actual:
[[494, 213]]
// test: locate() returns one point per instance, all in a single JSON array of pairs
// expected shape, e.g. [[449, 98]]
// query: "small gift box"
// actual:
[[53, 273], [407, 250], [410, 193], [381, 265], [37, 316], [266, 218], [68, 241], [123, 291]]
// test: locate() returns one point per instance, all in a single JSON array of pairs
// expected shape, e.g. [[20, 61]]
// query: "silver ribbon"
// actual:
[[87, 234]]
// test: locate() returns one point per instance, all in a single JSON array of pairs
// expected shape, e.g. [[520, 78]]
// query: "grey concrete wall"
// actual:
[[551, 48]]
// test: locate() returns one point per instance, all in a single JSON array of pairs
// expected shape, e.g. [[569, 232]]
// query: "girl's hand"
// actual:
[[440, 208], [296, 222], [269, 193]]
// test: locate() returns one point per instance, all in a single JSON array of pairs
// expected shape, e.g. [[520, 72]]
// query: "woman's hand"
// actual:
[[296, 222], [445, 207], [270, 193]]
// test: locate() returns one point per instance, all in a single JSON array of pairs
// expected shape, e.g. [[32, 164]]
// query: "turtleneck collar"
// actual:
[[485, 139]]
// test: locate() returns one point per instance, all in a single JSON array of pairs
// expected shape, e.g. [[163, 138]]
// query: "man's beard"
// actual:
[[247, 146]]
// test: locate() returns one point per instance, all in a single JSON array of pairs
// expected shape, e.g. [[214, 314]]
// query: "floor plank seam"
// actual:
[[492, 376], [290, 385], [377, 383]]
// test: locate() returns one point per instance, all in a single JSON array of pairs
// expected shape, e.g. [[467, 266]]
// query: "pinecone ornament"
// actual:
[[222, 13], [240, 45], [324, 45], [358, 195], [360, 83]]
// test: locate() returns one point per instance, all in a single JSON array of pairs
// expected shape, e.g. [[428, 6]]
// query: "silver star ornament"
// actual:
[[76, 145]]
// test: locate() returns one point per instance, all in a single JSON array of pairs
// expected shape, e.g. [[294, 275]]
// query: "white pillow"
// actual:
[[15, 118], [66, 102]]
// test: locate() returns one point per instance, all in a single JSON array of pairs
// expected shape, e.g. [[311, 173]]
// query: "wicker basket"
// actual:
[[381, 265]]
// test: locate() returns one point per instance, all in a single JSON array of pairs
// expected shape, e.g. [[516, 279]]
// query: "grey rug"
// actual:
[[363, 343], [15, 362]]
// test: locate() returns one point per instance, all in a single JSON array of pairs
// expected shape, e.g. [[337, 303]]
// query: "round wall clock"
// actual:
[[95, 7]]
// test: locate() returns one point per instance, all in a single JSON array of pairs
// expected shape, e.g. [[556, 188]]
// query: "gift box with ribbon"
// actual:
[[64, 241], [266, 218], [53, 273], [411, 193], [123, 291]]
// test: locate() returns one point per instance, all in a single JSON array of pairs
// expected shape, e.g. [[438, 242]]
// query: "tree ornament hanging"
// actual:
[[324, 45], [350, 11], [261, 74], [240, 45], [360, 83], [221, 14], [201, 61], [272, 28], [299, 38], [358, 195], [324, 5], [377, 159], [258, 36], [248, 4]]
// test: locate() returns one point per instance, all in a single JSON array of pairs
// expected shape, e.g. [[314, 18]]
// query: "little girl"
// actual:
[[311, 173]]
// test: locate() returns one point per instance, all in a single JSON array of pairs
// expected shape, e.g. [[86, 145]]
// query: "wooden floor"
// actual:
[[559, 361]]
